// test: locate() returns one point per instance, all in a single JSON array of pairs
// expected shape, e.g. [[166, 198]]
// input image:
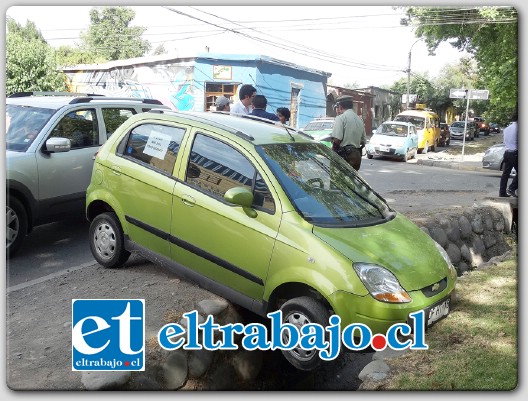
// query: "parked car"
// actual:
[[456, 130], [51, 139], [445, 136], [320, 129], [494, 128], [393, 139], [266, 217], [482, 125], [493, 158]]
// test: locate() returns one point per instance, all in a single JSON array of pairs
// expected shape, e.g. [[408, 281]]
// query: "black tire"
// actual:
[[107, 241], [300, 311], [16, 226], [369, 156]]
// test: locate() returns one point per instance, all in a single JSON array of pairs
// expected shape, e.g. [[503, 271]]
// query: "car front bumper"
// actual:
[[380, 150], [379, 316]]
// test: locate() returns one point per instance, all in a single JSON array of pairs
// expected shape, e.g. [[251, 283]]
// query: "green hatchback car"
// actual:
[[266, 217]]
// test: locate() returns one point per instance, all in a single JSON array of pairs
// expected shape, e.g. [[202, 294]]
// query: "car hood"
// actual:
[[398, 245], [380, 139], [457, 129]]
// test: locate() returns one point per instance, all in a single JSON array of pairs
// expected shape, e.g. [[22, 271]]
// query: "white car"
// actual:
[[396, 139]]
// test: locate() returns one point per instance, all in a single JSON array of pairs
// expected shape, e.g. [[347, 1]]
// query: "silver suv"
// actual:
[[51, 140]]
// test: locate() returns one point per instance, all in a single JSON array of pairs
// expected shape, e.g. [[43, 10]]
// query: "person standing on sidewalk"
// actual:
[[348, 134], [511, 159]]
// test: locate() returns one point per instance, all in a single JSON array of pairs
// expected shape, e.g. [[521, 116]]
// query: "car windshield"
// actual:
[[319, 125], [419, 122], [23, 124], [458, 124], [323, 188], [393, 129]]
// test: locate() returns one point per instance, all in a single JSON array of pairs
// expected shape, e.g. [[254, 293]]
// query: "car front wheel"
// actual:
[[299, 312], [16, 226], [107, 241]]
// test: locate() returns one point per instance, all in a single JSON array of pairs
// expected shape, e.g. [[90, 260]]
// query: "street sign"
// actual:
[[473, 94], [478, 94], [458, 93]]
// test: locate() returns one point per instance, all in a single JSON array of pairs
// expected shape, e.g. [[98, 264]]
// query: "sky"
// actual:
[[363, 45]]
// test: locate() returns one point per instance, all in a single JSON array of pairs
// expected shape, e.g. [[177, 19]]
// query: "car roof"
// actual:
[[253, 129], [56, 100], [397, 122]]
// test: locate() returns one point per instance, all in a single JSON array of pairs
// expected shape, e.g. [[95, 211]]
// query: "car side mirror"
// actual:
[[193, 171], [242, 197], [57, 145]]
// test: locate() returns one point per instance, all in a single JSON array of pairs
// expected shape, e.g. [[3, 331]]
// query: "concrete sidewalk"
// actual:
[[445, 160], [453, 164]]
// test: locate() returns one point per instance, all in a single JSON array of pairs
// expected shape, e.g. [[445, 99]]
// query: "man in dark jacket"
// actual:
[[259, 108]]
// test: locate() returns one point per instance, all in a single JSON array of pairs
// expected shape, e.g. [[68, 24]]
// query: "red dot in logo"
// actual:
[[127, 363], [379, 342]]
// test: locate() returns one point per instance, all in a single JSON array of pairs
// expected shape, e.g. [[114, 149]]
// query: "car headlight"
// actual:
[[447, 259], [381, 283]]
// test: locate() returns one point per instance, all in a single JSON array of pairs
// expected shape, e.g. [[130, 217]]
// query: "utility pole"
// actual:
[[409, 75]]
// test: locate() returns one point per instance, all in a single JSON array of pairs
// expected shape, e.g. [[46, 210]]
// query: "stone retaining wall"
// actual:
[[470, 237]]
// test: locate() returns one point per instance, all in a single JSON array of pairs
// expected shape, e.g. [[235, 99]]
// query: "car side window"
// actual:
[[154, 145], [80, 127], [113, 117], [215, 167]]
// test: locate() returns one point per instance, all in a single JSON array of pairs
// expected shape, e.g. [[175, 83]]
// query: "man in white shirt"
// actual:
[[246, 94], [511, 159]]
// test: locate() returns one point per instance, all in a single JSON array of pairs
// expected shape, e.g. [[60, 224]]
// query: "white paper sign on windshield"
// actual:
[[157, 145]]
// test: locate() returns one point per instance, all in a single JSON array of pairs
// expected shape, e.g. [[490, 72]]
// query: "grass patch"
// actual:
[[475, 347]]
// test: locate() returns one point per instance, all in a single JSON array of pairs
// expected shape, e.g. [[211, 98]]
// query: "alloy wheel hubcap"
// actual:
[[12, 226]]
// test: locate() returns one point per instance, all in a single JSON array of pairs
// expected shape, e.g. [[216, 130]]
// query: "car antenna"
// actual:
[[288, 131]]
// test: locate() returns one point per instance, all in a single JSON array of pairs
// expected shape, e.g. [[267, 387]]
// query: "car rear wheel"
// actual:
[[16, 225], [299, 312], [107, 241]]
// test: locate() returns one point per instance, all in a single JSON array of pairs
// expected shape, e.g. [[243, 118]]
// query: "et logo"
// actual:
[[108, 334]]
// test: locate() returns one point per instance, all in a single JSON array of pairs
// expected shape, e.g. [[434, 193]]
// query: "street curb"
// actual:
[[451, 165]]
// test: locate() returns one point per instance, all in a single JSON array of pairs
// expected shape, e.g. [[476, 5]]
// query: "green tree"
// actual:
[[490, 35], [30, 61], [71, 56], [110, 35]]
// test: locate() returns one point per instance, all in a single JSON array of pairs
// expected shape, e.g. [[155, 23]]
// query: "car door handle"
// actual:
[[116, 170], [188, 200]]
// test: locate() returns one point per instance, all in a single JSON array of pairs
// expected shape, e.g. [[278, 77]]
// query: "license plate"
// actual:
[[384, 149], [436, 312]]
